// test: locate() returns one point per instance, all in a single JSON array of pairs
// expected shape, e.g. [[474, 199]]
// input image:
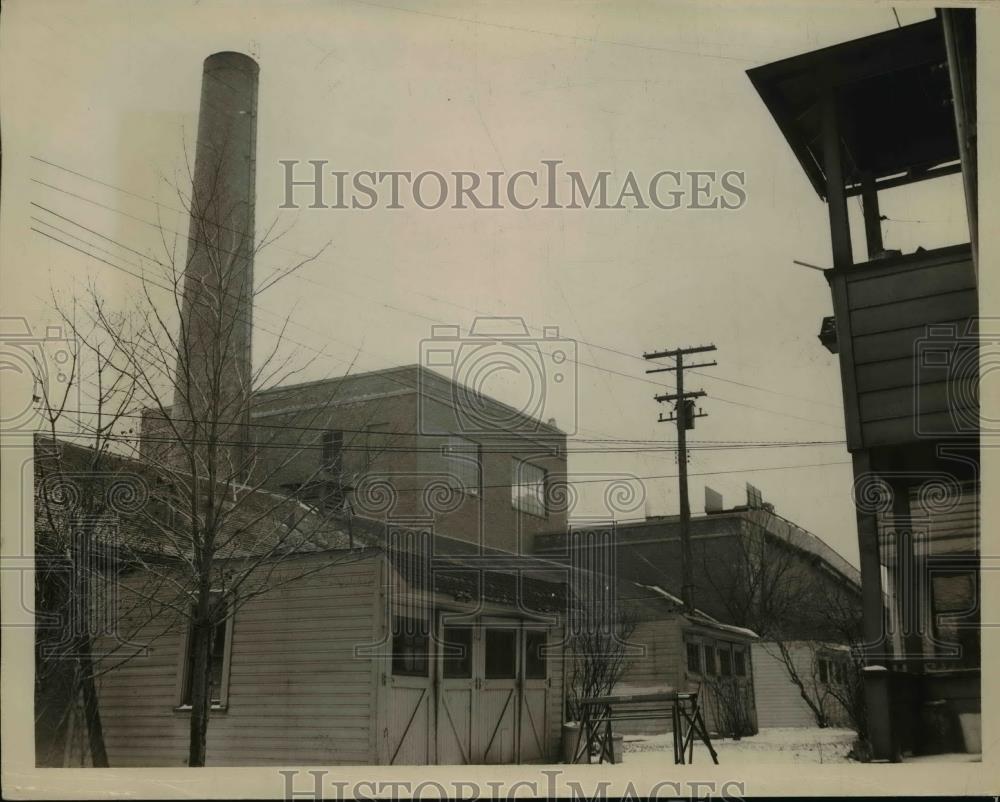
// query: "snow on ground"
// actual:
[[770, 745]]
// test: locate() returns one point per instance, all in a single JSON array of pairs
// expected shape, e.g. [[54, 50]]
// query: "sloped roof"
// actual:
[[514, 581], [137, 504], [699, 617]]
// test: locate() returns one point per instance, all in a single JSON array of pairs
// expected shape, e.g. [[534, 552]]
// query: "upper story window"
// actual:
[[376, 441], [332, 457], [527, 488], [464, 459]]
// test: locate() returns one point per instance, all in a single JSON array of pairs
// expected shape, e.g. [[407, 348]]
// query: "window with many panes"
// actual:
[[464, 458], [527, 487]]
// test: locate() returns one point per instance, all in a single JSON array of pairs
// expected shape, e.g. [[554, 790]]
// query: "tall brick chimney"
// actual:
[[213, 379]]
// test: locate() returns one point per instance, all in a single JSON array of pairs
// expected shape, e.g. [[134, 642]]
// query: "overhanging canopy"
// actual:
[[887, 86]]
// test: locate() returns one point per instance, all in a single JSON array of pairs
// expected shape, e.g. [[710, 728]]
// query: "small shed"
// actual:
[[677, 650]]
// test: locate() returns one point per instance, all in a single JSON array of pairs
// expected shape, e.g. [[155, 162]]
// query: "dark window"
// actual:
[[534, 655], [333, 452], [218, 660], [739, 657], [823, 672], [410, 642], [457, 652], [726, 662], [694, 658], [955, 611], [501, 653], [709, 660]]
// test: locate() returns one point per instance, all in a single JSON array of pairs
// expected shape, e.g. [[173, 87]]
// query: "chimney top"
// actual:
[[231, 60]]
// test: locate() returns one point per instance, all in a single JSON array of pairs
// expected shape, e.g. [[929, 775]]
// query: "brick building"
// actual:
[[408, 444]]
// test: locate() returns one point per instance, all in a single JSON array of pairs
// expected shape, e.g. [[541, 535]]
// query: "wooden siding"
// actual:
[[883, 310], [663, 663], [779, 702], [297, 693], [555, 703], [659, 665]]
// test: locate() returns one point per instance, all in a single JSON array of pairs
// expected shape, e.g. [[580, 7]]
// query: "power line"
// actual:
[[592, 480], [434, 298], [618, 445], [295, 323], [554, 34], [308, 328]]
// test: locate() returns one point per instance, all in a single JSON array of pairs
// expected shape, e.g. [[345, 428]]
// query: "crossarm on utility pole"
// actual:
[[684, 416]]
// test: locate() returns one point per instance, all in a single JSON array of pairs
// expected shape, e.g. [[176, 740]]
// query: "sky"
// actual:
[[99, 107]]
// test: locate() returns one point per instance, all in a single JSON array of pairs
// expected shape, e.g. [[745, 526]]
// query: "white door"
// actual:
[[533, 733], [411, 717], [475, 694], [498, 698], [457, 666]]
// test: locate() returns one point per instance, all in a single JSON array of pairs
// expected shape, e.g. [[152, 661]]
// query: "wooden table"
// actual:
[[599, 712]]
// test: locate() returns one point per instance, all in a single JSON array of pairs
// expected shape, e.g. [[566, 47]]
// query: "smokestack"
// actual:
[[212, 388]]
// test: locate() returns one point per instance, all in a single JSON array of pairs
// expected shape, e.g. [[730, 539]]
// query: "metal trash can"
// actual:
[[571, 742]]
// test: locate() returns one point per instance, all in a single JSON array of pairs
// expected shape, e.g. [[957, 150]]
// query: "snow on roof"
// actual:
[[701, 614]]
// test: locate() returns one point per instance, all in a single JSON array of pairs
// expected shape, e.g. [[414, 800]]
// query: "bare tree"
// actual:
[[79, 495], [732, 704], [599, 650], [215, 529], [769, 586], [839, 609]]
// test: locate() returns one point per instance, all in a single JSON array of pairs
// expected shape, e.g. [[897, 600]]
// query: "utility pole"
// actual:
[[684, 416]]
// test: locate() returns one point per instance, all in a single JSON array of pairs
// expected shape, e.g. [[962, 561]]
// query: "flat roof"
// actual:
[[417, 378], [890, 87]]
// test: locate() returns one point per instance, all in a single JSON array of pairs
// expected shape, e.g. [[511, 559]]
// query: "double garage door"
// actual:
[[476, 692]]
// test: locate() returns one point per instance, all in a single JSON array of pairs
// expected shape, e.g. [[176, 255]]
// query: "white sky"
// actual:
[[111, 90]]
